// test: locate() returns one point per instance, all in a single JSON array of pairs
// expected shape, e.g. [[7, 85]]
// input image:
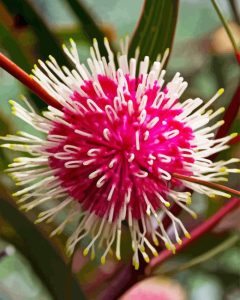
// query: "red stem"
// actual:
[[195, 234], [235, 140], [230, 114], [212, 185], [28, 81], [238, 57]]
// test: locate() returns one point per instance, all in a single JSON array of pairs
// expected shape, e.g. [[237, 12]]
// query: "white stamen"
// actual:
[[137, 140]]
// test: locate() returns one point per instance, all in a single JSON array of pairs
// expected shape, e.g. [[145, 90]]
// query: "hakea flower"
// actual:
[[111, 149]]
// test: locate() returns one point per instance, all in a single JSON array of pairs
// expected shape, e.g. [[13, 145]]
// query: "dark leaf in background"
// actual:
[[88, 23], [45, 259], [12, 46], [46, 41]]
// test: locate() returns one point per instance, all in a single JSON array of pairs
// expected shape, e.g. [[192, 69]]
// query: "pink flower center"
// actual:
[[120, 146]]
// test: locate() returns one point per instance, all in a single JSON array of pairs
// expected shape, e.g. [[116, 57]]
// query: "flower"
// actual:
[[109, 154]]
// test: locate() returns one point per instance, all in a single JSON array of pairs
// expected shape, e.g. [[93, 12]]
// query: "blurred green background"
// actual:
[[201, 52]]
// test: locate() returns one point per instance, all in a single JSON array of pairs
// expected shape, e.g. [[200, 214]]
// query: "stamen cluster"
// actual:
[[109, 154]]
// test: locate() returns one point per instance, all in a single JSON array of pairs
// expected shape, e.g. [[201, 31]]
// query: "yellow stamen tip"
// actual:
[[167, 245], [85, 252], [167, 51], [220, 123], [69, 253], [223, 169], [222, 109], [167, 204], [155, 240], [220, 91], [194, 215], [103, 260], [187, 235], [136, 265], [233, 135], [17, 159], [189, 200], [146, 258], [210, 111], [179, 241]]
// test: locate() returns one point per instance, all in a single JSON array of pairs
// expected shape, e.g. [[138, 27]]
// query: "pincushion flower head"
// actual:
[[116, 151]]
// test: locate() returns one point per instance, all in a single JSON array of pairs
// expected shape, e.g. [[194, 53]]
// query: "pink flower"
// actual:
[[109, 154]]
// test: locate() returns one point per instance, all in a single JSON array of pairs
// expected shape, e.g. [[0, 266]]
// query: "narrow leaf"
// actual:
[[44, 257], [156, 27], [46, 40], [88, 23], [11, 45]]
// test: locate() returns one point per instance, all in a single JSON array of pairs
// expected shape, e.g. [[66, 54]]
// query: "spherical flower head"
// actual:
[[110, 153]]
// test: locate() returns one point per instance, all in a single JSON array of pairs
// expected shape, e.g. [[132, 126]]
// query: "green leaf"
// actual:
[[49, 264], [156, 27], [46, 40], [89, 25], [204, 257], [11, 45]]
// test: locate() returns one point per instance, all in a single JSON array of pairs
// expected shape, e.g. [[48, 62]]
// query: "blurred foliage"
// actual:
[[16, 271], [44, 257], [32, 29], [46, 41]]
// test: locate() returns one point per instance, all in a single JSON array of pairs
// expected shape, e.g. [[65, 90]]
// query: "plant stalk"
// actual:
[[27, 80], [195, 234]]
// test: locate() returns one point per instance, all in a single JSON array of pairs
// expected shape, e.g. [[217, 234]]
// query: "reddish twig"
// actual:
[[235, 140], [212, 185], [230, 114], [27, 80], [227, 29], [195, 234], [238, 57], [126, 278]]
